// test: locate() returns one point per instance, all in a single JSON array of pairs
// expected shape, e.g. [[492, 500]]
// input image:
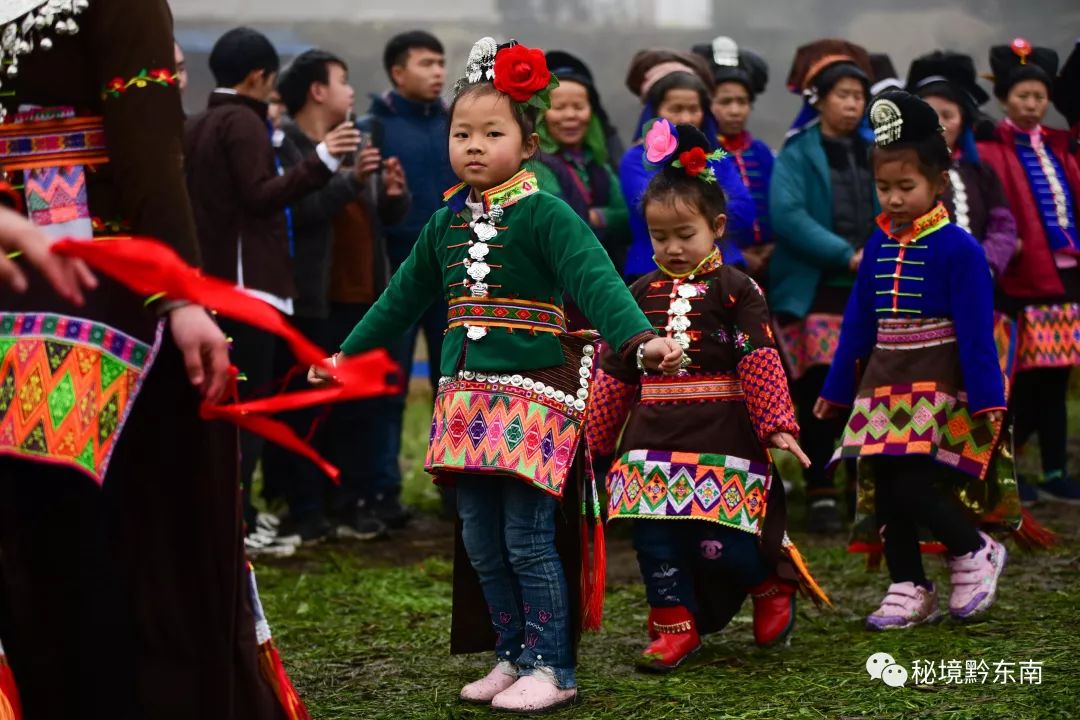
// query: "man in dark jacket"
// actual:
[[411, 123], [240, 199], [347, 210]]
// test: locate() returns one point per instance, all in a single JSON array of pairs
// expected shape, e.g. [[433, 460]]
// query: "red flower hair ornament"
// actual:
[[661, 141], [515, 70]]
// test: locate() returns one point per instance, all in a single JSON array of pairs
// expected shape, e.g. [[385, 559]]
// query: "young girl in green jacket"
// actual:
[[513, 399]]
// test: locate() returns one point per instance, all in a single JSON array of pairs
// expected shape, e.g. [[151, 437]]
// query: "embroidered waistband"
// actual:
[[718, 387], [49, 143], [48, 326], [501, 312], [573, 398], [905, 334]]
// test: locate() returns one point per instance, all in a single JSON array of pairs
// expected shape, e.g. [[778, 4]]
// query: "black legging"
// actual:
[[906, 498], [1038, 406], [816, 437]]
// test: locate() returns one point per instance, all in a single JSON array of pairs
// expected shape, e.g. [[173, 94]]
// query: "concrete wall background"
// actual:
[[606, 33]]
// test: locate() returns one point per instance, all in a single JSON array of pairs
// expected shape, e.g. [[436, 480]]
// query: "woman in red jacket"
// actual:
[[1042, 284]]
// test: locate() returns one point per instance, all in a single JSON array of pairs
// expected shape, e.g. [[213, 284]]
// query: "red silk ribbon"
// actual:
[[150, 267]]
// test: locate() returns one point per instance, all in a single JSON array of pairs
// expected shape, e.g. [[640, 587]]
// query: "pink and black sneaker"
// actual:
[[905, 606], [975, 578]]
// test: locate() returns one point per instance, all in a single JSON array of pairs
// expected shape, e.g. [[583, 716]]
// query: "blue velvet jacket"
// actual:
[[754, 160], [933, 270]]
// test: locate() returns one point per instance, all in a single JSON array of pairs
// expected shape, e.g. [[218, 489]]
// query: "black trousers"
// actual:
[[906, 498], [817, 437], [253, 355], [1039, 407]]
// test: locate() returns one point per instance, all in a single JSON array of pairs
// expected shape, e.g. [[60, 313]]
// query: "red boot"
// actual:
[[774, 610], [675, 638]]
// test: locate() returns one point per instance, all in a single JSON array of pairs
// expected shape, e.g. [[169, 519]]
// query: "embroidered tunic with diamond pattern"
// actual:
[[920, 327], [931, 270], [694, 445]]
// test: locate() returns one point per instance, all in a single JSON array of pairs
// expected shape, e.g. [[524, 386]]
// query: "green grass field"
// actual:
[[364, 630]]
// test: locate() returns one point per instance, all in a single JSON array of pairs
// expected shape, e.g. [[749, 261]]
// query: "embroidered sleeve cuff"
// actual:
[[979, 413], [629, 347], [608, 411], [767, 398]]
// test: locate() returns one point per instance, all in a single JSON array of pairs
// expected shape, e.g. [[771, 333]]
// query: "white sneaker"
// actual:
[[267, 520], [259, 546]]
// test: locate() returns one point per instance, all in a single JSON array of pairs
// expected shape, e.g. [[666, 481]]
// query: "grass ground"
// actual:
[[364, 630]]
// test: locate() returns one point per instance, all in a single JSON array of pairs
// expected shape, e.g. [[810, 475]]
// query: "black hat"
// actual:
[[1067, 87], [949, 75], [729, 63], [565, 66], [900, 117], [883, 75], [1019, 61]]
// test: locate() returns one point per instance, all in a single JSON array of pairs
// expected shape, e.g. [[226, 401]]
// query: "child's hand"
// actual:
[[317, 375], [995, 416], [786, 441], [825, 410], [855, 261], [663, 354]]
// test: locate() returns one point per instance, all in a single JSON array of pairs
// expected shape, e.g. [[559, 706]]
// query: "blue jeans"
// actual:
[[667, 552], [508, 528]]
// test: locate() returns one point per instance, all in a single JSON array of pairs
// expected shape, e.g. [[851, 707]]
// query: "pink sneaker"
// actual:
[[905, 605], [536, 693], [975, 578], [481, 692]]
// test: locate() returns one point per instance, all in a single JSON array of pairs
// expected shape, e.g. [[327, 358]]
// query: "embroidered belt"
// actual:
[[51, 143], [504, 313], [905, 334], [719, 387]]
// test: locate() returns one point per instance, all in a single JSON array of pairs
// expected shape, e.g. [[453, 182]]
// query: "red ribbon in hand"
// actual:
[[150, 267]]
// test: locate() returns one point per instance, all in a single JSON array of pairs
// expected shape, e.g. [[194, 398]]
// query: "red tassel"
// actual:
[[1033, 535], [586, 571], [273, 672], [10, 708], [594, 611]]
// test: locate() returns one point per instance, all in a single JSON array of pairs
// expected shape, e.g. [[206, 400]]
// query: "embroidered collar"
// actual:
[[1033, 136], [516, 188], [711, 262], [923, 225], [736, 143]]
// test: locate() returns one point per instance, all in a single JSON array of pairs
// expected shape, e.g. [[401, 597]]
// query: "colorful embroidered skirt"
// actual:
[[66, 387], [910, 401], [527, 425], [654, 484], [806, 343], [1049, 336]]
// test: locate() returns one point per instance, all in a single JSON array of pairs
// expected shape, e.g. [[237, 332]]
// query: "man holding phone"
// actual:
[[340, 267]]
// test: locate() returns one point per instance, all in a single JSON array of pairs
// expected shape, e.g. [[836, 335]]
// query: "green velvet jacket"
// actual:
[[541, 250]]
